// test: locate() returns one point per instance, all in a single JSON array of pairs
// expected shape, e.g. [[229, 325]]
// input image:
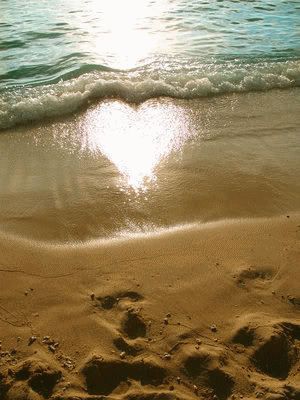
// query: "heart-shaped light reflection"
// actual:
[[136, 139]]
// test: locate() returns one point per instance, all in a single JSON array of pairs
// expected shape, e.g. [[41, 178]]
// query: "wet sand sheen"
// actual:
[[119, 168]]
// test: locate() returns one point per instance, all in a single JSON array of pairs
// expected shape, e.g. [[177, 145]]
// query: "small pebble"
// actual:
[[199, 341], [31, 340], [168, 315], [213, 328], [195, 388], [178, 379], [167, 356], [52, 348], [291, 299], [166, 321], [92, 296], [122, 355]]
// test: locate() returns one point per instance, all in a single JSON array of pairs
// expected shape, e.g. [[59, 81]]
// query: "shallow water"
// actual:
[[117, 169]]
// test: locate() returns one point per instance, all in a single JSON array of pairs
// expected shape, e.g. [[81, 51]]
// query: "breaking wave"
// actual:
[[26, 104]]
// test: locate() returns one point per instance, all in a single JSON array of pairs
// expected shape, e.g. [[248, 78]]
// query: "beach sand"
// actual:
[[209, 311], [159, 268]]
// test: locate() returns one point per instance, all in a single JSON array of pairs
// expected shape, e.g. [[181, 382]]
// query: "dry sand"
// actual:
[[209, 312]]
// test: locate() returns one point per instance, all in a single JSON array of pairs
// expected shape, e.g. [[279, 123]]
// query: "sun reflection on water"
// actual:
[[124, 34], [135, 140]]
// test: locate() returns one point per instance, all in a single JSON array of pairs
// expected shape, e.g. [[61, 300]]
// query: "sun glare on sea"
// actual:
[[121, 34], [135, 140]]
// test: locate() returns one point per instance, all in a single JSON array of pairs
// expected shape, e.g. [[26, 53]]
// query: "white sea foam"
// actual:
[[31, 104]]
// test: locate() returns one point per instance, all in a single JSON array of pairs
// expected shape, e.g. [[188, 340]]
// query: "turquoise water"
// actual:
[[56, 56]]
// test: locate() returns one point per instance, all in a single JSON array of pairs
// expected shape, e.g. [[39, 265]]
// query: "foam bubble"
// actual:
[[31, 104]]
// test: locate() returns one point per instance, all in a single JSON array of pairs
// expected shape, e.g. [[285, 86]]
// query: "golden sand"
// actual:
[[205, 311]]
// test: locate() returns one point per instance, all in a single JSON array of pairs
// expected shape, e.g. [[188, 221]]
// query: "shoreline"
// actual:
[[195, 313], [115, 168]]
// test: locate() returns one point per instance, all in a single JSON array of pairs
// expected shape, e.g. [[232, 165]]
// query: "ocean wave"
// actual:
[[24, 105]]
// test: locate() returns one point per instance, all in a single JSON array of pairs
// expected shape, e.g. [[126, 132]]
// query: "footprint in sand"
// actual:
[[31, 379], [255, 276], [277, 354], [102, 377], [272, 347], [132, 324], [110, 301]]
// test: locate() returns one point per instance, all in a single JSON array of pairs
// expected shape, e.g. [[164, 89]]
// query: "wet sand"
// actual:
[[178, 280], [118, 168]]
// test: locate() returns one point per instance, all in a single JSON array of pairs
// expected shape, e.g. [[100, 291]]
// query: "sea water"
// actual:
[[57, 55]]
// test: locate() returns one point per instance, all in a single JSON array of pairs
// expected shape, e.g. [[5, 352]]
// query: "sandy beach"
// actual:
[[156, 269], [207, 311], [149, 200]]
